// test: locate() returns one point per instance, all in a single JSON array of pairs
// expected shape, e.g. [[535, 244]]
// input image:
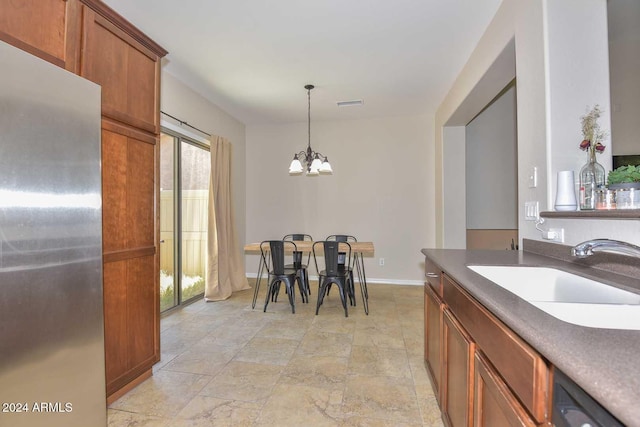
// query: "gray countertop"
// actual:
[[604, 362]]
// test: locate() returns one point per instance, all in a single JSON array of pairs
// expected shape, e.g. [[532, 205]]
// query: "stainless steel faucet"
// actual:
[[587, 248]]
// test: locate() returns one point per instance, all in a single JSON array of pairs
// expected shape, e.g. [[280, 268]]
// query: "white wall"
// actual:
[[578, 76], [379, 191], [182, 102], [624, 55], [489, 69], [492, 166], [561, 68], [454, 190]]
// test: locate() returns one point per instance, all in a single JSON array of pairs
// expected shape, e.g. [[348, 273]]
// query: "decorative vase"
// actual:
[[592, 178]]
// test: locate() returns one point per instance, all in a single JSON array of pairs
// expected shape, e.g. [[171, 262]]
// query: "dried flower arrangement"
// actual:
[[591, 132]]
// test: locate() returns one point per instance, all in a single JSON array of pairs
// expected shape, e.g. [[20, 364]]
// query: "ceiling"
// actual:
[[252, 58]]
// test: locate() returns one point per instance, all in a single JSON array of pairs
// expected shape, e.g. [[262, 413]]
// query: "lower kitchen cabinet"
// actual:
[[482, 372], [493, 403], [457, 373]]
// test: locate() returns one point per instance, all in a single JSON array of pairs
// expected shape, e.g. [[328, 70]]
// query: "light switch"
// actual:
[[531, 211], [533, 177]]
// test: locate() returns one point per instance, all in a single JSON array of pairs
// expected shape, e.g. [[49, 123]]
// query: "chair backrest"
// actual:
[[296, 237], [276, 248], [331, 255], [342, 238]]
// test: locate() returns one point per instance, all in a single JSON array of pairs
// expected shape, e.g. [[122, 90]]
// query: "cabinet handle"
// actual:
[[432, 275]]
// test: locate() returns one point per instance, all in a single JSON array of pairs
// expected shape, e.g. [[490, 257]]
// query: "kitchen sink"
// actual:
[[568, 297]]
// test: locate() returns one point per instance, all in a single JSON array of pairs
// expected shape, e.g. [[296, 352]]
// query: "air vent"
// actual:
[[350, 103]]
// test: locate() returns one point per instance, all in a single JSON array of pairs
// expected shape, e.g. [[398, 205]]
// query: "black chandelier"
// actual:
[[315, 162]]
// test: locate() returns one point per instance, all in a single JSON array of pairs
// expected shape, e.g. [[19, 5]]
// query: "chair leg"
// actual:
[[343, 290], [300, 280], [275, 292], [322, 288], [351, 290], [269, 292], [290, 291], [306, 283]]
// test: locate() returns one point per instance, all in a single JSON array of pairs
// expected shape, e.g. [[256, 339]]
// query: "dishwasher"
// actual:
[[573, 407]]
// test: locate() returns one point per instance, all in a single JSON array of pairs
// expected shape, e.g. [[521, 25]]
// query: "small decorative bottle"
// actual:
[[592, 179]]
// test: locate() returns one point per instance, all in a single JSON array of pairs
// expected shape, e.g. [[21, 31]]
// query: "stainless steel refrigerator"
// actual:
[[51, 318]]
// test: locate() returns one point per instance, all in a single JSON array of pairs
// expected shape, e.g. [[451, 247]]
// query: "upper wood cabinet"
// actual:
[[127, 70], [44, 28]]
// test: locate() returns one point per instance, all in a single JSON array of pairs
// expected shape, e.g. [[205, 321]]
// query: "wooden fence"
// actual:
[[195, 205]]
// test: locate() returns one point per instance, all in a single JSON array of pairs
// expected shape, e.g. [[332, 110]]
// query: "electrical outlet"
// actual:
[[531, 211], [554, 234], [381, 262]]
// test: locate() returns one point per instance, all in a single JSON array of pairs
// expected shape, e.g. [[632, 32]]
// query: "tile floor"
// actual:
[[224, 364]]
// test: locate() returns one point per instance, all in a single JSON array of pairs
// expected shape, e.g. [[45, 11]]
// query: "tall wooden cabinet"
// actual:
[[89, 39]]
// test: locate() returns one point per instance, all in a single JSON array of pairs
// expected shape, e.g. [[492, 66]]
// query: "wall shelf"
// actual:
[[596, 214]]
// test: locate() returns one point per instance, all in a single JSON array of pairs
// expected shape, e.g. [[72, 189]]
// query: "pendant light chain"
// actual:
[[309, 117]]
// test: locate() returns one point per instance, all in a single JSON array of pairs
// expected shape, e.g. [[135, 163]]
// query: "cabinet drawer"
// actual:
[[433, 276], [522, 368]]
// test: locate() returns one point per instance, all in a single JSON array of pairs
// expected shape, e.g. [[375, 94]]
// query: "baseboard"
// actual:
[[369, 280], [130, 386]]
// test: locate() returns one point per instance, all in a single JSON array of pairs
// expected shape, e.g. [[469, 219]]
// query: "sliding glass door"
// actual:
[[185, 168]]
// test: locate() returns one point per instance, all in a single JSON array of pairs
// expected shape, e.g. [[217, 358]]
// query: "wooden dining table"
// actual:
[[358, 249]]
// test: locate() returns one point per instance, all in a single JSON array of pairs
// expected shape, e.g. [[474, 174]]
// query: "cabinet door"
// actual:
[[457, 374], [131, 336], [128, 189], [44, 28], [494, 404], [128, 72], [432, 337]]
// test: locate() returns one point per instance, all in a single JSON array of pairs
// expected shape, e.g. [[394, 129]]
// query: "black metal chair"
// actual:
[[277, 273], [358, 264], [332, 273], [342, 264], [298, 263]]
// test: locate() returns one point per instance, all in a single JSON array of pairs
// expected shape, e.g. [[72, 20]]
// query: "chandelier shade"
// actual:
[[315, 163]]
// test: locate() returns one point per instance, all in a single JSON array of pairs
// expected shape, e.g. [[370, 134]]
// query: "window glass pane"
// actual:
[[168, 294], [195, 172]]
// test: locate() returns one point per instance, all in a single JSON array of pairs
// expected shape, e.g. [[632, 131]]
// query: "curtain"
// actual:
[[225, 269]]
